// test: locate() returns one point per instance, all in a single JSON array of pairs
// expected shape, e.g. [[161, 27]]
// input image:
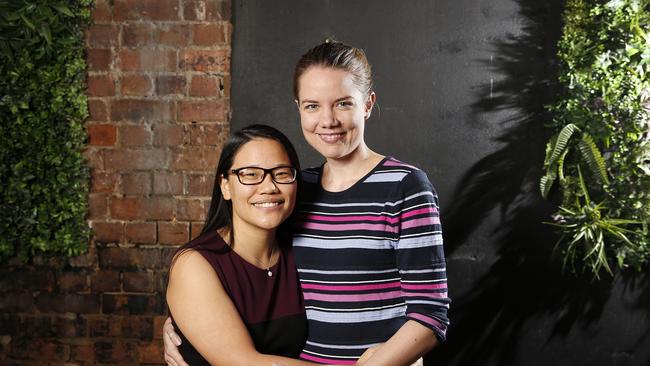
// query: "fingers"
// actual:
[[169, 334], [171, 341]]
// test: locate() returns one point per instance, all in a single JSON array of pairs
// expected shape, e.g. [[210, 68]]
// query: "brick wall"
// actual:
[[158, 86]]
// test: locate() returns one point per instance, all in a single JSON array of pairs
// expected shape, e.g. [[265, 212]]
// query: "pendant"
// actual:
[[269, 273]]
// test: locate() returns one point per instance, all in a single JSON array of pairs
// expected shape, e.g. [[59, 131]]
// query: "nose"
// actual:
[[268, 185], [328, 118]]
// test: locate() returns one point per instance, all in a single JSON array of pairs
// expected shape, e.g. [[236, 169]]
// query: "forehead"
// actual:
[[261, 152], [320, 81]]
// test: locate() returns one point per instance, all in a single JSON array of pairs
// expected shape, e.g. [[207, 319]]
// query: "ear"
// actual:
[[297, 104], [225, 188], [370, 102]]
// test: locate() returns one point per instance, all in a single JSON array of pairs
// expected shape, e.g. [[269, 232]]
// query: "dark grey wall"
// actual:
[[461, 87]]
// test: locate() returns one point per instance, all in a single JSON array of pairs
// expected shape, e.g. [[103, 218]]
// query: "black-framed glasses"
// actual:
[[251, 175]]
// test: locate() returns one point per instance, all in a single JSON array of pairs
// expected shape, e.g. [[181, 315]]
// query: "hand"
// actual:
[[171, 340], [367, 354]]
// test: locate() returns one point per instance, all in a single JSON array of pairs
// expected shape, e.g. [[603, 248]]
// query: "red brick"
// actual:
[[208, 34], [68, 303], [142, 109], [101, 86], [103, 35], [108, 232], [158, 323], [84, 353], [151, 353], [135, 159], [136, 183], [200, 184], [167, 183], [53, 351], [69, 326], [115, 352], [225, 86], [98, 110], [85, 260], [140, 232], [99, 59], [73, 281], [133, 304], [27, 279], [105, 281], [138, 327], [188, 158], [170, 85], [195, 229], [190, 210], [94, 157], [97, 207], [129, 258], [103, 11], [173, 233], [147, 59], [168, 135], [207, 134], [102, 135], [137, 208], [138, 85], [137, 281], [17, 303], [173, 35], [137, 34], [134, 136], [146, 10], [213, 111], [208, 60], [207, 10], [204, 86], [211, 156], [102, 182]]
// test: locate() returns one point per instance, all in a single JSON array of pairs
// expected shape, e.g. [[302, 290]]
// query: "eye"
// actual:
[[249, 173], [310, 107], [345, 104]]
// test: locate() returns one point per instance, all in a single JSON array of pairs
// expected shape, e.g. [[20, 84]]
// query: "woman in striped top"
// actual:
[[367, 240]]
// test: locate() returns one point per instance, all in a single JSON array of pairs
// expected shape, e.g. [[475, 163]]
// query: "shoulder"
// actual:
[[311, 175], [410, 178]]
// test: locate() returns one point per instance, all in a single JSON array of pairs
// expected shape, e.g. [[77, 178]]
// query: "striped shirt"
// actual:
[[369, 258]]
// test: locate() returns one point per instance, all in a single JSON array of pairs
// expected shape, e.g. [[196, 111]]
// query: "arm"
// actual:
[[208, 318], [421, 261]]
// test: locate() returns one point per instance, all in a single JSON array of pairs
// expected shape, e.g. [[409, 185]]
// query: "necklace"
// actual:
[[268, 264]]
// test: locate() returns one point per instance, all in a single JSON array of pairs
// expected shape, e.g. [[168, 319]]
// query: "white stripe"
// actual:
[[428, 302], [402, 304], [385, 177], [345, 272], [342, 237], [340, 346], [330, 356], [420, 242], [368, 212], [344, 243], [428, 270], [352, 282], [424, 193], [358, 317], [422, 234], [425, 281]]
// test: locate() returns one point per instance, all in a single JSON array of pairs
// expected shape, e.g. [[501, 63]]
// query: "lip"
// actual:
[[332, 137], [267, 204]]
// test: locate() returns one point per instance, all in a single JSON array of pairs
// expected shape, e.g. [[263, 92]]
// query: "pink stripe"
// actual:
[[376, 286], [351, 298], [330, 361], [428, 320], [391, 220], [424, 287], [435, 295], [330, 227], [425, 221], [393, 162], [418, 212]]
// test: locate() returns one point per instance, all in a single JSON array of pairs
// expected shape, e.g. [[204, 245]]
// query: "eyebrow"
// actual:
[[314, 101]]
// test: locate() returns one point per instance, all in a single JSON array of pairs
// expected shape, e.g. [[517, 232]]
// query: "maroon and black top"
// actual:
[[271, 307]]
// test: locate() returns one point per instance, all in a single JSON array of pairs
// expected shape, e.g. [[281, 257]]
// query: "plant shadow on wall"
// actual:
[[525, 281]]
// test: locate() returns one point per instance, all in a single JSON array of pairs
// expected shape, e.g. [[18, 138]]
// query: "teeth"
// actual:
[[266, 204]]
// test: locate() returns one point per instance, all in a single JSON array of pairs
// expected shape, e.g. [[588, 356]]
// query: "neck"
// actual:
[[341, 173], [258, 244]]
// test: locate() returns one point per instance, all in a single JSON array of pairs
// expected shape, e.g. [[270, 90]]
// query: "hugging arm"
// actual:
[[208, 318]]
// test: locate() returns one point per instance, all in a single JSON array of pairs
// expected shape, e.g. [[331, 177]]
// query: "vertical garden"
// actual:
[[597, 165], [43, 176]]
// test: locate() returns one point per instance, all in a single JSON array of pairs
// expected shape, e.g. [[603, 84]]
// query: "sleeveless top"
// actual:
[[271, 307]]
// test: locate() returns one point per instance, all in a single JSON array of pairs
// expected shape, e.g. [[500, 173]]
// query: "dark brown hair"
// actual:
[[340, 56]]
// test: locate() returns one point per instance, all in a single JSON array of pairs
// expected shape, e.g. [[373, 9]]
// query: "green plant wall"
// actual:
[[43, 176], [597, 164]]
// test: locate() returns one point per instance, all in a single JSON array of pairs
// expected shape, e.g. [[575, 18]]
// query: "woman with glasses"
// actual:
[[233, 292]]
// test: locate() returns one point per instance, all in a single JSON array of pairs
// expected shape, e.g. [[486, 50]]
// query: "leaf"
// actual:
[[591, 155], [61, 8], [562, 141]]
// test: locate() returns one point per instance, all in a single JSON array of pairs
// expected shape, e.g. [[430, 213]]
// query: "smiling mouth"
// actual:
[[331, 137], [267, 204]]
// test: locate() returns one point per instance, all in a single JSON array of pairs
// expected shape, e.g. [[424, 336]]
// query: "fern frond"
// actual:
[[592, 156]]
